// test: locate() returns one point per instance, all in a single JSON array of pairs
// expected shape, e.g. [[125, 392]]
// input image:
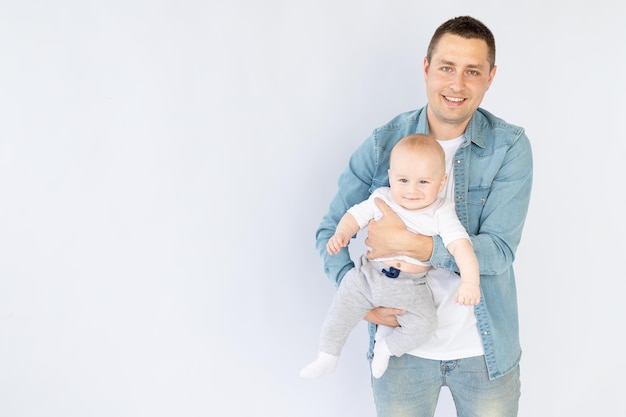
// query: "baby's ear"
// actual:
[[443, 182]]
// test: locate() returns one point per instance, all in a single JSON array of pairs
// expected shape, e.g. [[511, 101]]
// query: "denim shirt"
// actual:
[[492, 185]]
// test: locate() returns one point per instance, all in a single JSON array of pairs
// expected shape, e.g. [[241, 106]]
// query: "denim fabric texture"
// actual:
[[492, 180], [410, 388]]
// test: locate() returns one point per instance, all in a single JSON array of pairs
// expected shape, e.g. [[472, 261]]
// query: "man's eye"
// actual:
[[446, 69]]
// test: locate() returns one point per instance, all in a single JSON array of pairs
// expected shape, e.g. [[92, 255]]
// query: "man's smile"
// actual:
[[454, 99]]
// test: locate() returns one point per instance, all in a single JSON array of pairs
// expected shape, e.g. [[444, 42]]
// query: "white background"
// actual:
[[164, 166]]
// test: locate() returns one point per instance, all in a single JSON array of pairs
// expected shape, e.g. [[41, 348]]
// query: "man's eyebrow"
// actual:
[[453, 64]]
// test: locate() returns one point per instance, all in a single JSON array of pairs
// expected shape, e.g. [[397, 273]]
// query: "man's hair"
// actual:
[[466, 27]]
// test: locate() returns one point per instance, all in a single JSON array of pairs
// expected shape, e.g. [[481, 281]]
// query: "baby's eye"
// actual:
[[424, 182], [403, 180]]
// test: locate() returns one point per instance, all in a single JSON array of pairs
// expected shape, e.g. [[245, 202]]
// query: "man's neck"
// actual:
[[446, 131]]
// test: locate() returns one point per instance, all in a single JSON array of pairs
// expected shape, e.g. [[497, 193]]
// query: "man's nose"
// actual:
[[458, 82]]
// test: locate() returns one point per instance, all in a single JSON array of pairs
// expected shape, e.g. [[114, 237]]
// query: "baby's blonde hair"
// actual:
[[421, 143]]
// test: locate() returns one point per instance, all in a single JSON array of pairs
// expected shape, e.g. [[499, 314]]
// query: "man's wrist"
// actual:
[[421, 247]]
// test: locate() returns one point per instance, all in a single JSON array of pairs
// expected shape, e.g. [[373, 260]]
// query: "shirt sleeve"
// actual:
[[496, 230], [353, 186]]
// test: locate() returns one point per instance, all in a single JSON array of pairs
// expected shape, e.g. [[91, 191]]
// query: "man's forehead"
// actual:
[[474, 54]]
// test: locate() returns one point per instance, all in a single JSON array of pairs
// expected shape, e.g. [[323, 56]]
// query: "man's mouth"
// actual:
[[454, 99]]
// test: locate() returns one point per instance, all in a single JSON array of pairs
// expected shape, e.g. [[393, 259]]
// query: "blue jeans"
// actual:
[[410, 388]]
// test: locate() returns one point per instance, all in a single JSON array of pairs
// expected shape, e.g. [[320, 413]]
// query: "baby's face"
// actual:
[[415, 179]]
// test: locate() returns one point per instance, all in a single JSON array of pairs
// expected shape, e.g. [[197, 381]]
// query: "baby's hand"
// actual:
[[335, 243], [468, 294]]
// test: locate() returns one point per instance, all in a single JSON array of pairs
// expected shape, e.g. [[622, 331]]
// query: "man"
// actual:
[[475, 350]]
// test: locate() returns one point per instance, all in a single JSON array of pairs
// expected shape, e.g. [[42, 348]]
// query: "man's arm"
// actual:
[[495, 228], [495, 239], [353, 187], [389, 237]]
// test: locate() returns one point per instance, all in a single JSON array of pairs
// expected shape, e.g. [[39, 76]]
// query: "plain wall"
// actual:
[[164, 166]]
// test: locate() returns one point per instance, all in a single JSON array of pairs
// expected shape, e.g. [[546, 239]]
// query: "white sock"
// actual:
[[324, 364], [381, 358]]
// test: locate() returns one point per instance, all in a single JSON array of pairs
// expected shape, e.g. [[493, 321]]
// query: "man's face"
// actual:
[[457, 78]]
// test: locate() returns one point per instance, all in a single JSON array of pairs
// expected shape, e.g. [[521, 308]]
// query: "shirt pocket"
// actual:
[[476, 198]]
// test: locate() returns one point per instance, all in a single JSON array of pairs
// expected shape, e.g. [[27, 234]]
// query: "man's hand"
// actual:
[[384, 316], [382, 234], [389, 237]]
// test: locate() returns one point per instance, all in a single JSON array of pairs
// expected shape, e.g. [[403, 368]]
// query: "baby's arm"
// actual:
[[469, 289], [346, 228]]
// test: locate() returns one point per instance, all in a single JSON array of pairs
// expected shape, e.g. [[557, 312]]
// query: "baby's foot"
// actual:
[[324, 364], [381, 359]]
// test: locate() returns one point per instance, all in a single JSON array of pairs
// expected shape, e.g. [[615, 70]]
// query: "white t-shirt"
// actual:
[[457, 334], [438, 218]]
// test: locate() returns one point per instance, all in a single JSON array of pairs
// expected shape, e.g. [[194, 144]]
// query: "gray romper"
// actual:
[[366, 287], [369, 284]]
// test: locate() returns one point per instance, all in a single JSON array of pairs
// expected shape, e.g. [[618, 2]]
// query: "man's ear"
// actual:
[[492, 74]]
